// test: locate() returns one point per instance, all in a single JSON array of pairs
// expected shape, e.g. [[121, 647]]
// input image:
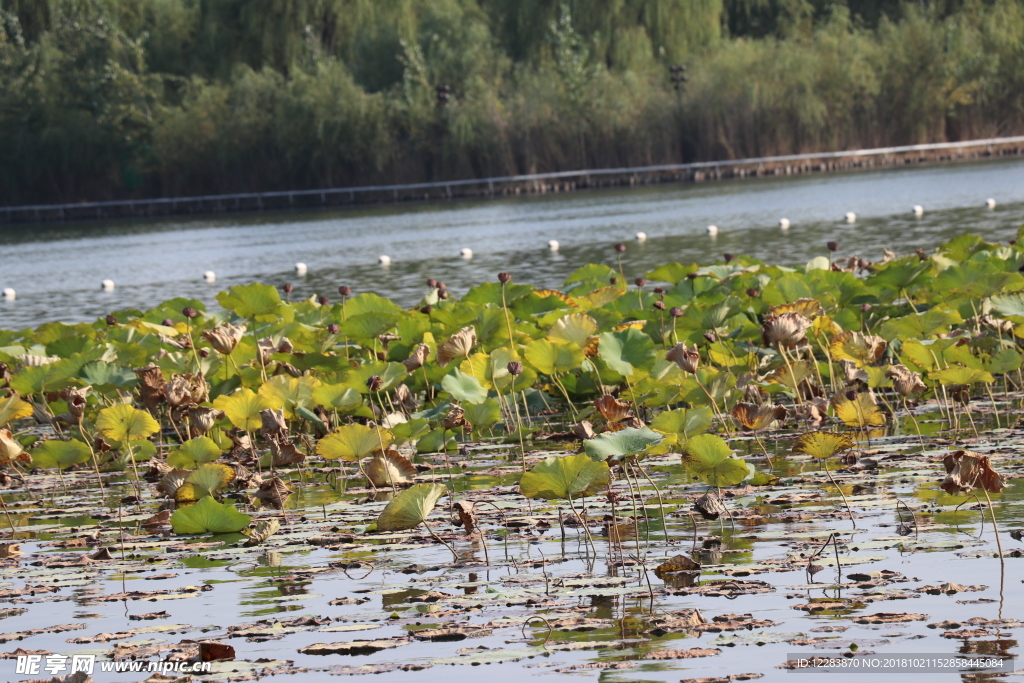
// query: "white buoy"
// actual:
[[990, 203], [10, 294], [784, 223], [466, 252], [851, 217], [107, 285], [210, 276], [300, 268], [918, 210], [553, 245], [384, 259], [712, 230], [641, 237]]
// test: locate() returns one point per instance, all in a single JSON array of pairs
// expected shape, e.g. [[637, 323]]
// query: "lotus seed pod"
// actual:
[[345, 290], [504, 278], [514, 367], [189, 312]]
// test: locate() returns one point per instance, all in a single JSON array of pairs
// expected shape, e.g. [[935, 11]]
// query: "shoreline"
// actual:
[[541, 183]]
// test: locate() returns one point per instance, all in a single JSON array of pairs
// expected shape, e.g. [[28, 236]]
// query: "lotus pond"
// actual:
[[696, 472]]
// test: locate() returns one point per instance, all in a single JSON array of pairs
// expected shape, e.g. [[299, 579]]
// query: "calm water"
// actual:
[[57, 269]]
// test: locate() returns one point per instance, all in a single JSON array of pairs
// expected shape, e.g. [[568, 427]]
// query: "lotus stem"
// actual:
[[792, 375], [586, 531], [764, 450], [824, 463], [661, 501], [714, 406], [440, 540], [7, 514], [995, 525], [914, 420], [917, 532]]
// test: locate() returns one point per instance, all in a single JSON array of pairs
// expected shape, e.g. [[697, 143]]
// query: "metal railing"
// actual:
[[261, 200]]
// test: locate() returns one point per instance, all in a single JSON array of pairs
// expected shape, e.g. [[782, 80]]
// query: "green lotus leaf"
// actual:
[[687, 423], [550, 357], [208, 516], [353, 442], [410, 507], [708, 457], [288, 393], [614, 445], [125, 422], [961, 375], [391, 374], [1009, 305], [464, 387], [490, 293], [100, 374], [255, 301], [243, 408], [627, 351], [48, 377], [370, 325], [919, 325], [483, 415], [199, 450], [673, 273], [565, 478], [337, 397], [1004, 361], [435, 441], [591, 272], [368, 302], [206, 480], [976, 280], [410, 431], [60, 454]]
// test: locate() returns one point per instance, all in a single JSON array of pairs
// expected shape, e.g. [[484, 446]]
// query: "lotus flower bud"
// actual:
[[660, 305], [432, 283], [613, 280], [323, 300], [287, 289], [374, 383], [675, 312], [514, 367], [691, 276], [640, 281], [189, 312], [752, 293], [333, 328], [167, 322], [832, 246], [728, 258], [659, 290], [345, 290], [442, 286], [620, 247], [203, 353], [710, 336], [111, 320], [851, 395], [504, 278], [864, 308], [427, 309], [442, 294]]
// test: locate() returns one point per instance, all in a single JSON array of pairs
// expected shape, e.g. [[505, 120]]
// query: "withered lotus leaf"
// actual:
[[390, 468], [788, 329], [273, 492], [417, 358], [458, 346], [151, 385], [750, 416], [904, 380], [809, 308], [709, 507], [225, 337], [966, 470], [612, 409], [686, 358], [677, 563]]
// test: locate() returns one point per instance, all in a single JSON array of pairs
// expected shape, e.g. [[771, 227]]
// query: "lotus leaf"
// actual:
[[353, 442], [821, 444], [13, 408], [961, 375], [627, 351], [337, 397], [208, 516], [390, 469], [464, 387], [410, 507], [708, 457], [125, 422], [616, 445], [565, 478], [255, 301], [288, 393], [60, 454], [550, 357], [243, 408], [860, 412], [205, 480], [682, 421], [194, 452]]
